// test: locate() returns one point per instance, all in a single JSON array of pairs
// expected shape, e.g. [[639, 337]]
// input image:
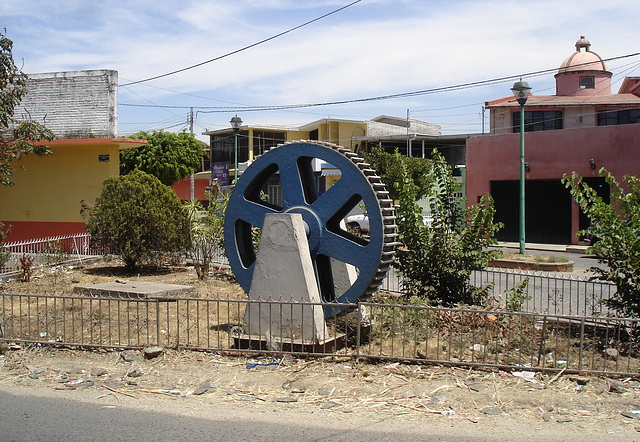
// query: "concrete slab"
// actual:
[[134, 289]]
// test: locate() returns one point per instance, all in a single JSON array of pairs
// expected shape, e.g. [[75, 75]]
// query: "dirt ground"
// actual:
[[61, 280], [493, 403], [474, 404]]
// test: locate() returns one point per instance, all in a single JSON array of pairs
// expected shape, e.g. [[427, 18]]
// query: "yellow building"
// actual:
[[46, 198], [80, 108]]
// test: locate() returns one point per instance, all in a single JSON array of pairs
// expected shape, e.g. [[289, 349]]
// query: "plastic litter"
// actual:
[[526, 375], [260, 364]]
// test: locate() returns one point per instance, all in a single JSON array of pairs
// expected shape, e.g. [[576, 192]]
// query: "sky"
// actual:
[[431, 53]]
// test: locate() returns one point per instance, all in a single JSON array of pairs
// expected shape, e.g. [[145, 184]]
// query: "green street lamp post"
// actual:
[[521, 91], [236, 122]]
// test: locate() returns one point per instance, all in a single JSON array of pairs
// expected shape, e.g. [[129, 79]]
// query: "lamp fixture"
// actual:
[[592, 163], [521, 91], [236, 122], [527, 168]]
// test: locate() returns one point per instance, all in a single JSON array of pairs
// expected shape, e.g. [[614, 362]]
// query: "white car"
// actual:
[[358, 224]]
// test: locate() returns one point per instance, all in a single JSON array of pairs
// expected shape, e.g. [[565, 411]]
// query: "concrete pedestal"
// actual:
[[284, 273]]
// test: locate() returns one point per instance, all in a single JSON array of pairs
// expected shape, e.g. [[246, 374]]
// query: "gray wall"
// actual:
[[77, 104]]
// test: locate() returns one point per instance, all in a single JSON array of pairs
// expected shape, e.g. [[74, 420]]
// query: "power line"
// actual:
[[244, 48], [220, 109]]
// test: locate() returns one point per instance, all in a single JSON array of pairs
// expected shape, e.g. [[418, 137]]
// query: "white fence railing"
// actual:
[[48, 251]]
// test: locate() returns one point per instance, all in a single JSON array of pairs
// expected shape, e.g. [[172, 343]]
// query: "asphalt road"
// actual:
[[35, 418], [55, 416]]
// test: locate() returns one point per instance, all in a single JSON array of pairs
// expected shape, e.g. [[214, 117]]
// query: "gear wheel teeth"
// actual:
[[387, 210]]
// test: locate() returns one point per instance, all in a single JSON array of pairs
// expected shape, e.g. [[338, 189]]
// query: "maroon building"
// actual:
[[581, 128]]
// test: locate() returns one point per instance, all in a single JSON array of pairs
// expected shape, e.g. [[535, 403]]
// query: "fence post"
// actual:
[[358, 331], [581, 344]]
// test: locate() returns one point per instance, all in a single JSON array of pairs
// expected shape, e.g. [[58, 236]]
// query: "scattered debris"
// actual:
[[131, 355], [76, 383], [273, 364], [205, 387], [286, 399], [153, 352], [340, 368], [328, 405], [493, 411], [580, 380], [135, 373], [473, 385], [634, 414], [611, 353], [528, 376]]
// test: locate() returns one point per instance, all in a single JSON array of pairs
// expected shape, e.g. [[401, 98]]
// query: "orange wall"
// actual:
[[183, 188]]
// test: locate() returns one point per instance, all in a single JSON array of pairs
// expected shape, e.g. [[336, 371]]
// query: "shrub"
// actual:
[[207, 232], [139, 219], [436, 260], [616, 227], [5, 253]]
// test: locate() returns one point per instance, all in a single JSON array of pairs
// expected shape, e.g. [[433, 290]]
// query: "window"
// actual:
[[223, 148], [617, 116], [587, 82], [535, 121], [263, 141]]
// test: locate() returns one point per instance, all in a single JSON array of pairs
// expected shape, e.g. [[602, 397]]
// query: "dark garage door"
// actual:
[[547, 211]]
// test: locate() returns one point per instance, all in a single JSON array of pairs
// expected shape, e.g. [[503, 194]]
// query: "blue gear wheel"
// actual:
[[322, 214]]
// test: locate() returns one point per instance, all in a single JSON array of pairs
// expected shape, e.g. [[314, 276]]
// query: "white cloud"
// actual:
[[370, 49]]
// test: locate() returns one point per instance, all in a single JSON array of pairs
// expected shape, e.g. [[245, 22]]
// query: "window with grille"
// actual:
[[587, 82], [535, 121], [618, 116]]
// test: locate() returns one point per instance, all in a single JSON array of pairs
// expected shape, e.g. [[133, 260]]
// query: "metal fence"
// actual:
[[378, 331], [548, 293], [543, 293], [48, 251]]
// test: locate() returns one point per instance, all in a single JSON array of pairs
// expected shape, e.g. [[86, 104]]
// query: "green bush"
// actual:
[[616, 227], [5, 253], [436, 260], [139, 219], [169, 156], [207, 232]]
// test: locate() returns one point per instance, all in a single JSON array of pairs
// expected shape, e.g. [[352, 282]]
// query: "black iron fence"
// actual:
[[488, 338]]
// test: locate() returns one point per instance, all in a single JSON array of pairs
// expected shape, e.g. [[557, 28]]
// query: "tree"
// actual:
[[169, 156], [616, 227], [386, 164], [17, 138], [207, 232], [436, 260], [139, 219], [5, 253]]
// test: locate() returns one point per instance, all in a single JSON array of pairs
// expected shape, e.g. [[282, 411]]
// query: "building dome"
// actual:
[[583, 73], [582, 59]]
